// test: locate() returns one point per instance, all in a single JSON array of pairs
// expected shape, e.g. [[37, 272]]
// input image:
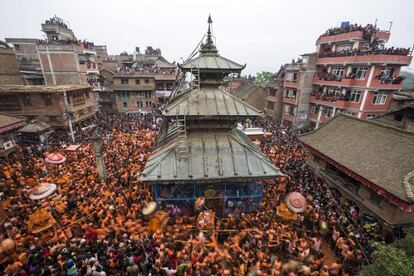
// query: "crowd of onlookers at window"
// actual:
[[146, 70]]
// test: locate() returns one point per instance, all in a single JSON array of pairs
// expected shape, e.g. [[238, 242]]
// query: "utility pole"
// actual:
[[98, 149], [65, 100], [391, 22]]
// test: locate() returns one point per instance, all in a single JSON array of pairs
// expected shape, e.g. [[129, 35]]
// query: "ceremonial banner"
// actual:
[[40, 220]]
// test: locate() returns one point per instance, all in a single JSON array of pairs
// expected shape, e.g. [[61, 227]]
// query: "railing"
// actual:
[[361, 52]]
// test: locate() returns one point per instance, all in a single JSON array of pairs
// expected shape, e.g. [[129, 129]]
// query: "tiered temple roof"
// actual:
[[214, 150]]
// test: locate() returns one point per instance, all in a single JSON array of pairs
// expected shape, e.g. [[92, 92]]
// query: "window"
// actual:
[[270, 105], [349, 113], [360, 72], [272, 92], [343, 47], [371, 116], [78, 98], [295, 77], [146, 81], [291, 94], [160, 86], [137, 82], [289, 76], [315, 109], [124, 81], [354, 96], [338, 71], [125, 104], [27, 100], [87, 95], [379, 98], [139, 104], [327, 111], [148, 104], [47, 99], [387, 72], [289, 109]]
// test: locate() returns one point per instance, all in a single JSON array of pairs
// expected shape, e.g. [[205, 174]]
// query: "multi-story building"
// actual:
[[28, 60], [9, 70], [58, 105], [274, 99], [134, 92], [136, 83], [61, 59], [297, 88], [355, 74], [351, 72]]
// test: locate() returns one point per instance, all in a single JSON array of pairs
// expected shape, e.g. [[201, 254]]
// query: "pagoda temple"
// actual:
[[199, 151]]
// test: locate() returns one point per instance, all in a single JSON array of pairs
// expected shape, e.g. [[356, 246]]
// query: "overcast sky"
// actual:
[[263, 34]]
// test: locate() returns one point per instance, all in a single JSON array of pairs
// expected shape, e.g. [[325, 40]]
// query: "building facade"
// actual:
[[297, 88], [352, 72], [61, 59], [57, 106], [274, 96], [356, 74], [9, 70]]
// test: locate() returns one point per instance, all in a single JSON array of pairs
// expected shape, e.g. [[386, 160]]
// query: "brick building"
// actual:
[[249, 92], [136, 83], [9, 70], [28, 60], [47, 103], [369, 162], [354, 73], [274, 96], [60, 59]]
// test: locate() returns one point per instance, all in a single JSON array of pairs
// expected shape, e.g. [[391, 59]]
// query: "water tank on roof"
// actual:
[[345, 24]]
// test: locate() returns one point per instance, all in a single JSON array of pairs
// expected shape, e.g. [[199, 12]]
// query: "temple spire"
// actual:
[[209, 46]]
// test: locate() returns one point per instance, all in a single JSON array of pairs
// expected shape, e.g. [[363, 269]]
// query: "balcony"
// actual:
[[332, 103], [291, 84], [288, 117], [388, 83], [322, 79], [271, 98], [389, 56], [290, 100]]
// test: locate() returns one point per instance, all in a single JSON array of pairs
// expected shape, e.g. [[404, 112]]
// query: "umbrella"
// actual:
[[149, 208], [42, 190], [55, 158], [296, 202]]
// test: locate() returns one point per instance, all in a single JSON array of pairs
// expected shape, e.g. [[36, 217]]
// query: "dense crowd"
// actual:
[[146, 70], [329, 96], [105, 231], [368, 29], [367, 51]]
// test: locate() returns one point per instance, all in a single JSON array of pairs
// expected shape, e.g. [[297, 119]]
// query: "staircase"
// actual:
[[182, 137], [195, 78]]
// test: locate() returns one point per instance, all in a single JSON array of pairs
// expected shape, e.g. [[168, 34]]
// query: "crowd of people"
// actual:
[[369, 28], [100, 228], [146, 70], [329, 96], [367, 51]]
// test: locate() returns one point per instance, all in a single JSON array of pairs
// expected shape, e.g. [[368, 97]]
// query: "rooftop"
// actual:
[[212, 156], [8, 122], [41, 88], [208, 102], [378, 153]]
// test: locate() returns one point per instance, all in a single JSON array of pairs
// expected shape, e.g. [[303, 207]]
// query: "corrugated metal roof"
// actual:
[[34, 127], [212, 156], [212, 62], [208, 102]]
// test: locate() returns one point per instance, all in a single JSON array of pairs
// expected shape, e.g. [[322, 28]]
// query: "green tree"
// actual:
[[409, 79], [396, 259], [263, 78]]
